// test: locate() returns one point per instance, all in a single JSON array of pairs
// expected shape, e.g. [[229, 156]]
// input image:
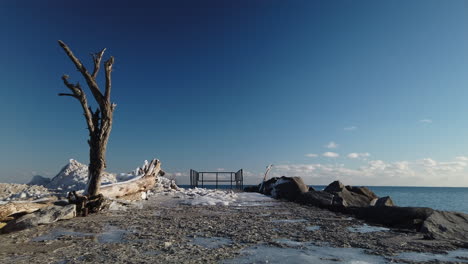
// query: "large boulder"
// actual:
[[393, 216], [267, 186], [349, 196], [446, 225], [289, 188], [316, 198], [334, 187], [253, 188], [45, 215], [363, 191], [384, 201]]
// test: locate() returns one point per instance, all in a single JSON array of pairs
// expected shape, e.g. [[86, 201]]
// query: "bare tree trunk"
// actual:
[[100, 121]]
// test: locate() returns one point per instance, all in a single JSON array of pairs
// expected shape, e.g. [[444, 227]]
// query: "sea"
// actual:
[[440, 198]]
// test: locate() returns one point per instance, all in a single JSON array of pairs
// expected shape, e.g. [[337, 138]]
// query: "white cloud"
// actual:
[[331, 155], [220, 169], [311, 155], [355, 155], [350, 128], [462, 158], [426, 121], [332, 145], [422, 172]]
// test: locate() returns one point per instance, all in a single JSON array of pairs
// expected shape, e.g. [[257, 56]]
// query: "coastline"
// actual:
[[164, 229]]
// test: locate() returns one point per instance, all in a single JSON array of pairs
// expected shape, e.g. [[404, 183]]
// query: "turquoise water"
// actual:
[[441, 198]]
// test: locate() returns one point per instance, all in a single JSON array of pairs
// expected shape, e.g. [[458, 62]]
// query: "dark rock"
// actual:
[[446, 225], [363, 191], [267, 186], [384, 201], [289, 188], [350, 196], [334, 187], [351, 199], [45, 215], [316, 198], [404, 217], [255, 188]]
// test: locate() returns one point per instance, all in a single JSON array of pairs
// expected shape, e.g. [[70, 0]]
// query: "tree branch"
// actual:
[[108, 68], [81, 68], [97, 57], [79, 94], [66, 94]]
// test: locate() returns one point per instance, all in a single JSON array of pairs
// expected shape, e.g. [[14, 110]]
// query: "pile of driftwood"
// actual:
[[13, 213]]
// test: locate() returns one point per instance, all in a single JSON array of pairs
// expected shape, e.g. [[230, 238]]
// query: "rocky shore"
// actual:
[[168, 229]]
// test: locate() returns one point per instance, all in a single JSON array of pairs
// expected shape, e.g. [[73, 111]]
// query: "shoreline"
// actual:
[[163, 229]]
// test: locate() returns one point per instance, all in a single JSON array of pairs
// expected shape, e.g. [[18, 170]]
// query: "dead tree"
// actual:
[[99, 122]]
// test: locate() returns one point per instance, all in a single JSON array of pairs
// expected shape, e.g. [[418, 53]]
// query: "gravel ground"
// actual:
[[163, 231]]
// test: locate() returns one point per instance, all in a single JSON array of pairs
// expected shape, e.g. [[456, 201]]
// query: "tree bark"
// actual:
[[100, 121]]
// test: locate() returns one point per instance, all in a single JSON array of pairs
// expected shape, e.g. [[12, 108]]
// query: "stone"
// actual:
[[384, 201], [267, 186], [46, 215], [363, 191], [316, 198], [393, 216], [350, 196], [289, 188], [446, 225], [334, 187], [255, 188]]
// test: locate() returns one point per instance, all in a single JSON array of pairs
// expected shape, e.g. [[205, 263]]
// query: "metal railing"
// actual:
[[235, 179]]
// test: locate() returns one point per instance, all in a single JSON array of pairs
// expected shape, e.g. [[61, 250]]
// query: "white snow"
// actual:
[[201, 196]]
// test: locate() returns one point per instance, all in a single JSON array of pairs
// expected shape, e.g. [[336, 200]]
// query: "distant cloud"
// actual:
[[311, 155], [332, 145], [331, 155], [462, 158], [220, 169], [425, 121], [350, 128], [422, 172], [355, 155]]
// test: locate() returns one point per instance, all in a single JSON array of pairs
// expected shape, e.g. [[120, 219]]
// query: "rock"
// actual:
[[350, 196], [289, 188], [446, 225], [334, 187], [45, 215], [255, 188], [363, 191], [351, 199], [267, 186], [316, 198], [393, 216], [384, 201], [39, 180]]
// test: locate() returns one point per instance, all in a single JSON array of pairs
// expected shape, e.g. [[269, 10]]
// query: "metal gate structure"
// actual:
[[199, 178]]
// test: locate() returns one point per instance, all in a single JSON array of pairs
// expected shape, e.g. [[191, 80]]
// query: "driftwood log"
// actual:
[[89, 204], [93, 203], [14, 208]]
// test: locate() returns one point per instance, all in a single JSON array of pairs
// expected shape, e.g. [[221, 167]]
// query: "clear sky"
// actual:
[[369, 92]]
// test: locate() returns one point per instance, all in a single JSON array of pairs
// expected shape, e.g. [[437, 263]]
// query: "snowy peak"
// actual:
[[74, 176]]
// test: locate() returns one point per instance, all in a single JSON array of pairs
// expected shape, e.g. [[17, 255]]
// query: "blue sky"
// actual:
[[242, 84]]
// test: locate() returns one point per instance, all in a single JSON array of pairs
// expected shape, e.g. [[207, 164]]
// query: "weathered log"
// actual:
[[143, 183], [12, 208]]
